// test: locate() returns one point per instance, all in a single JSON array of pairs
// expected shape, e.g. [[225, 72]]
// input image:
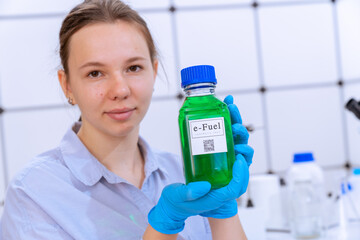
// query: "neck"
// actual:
[[120, 155]]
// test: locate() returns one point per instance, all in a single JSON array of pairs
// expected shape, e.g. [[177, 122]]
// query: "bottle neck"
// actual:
[[199, 89]]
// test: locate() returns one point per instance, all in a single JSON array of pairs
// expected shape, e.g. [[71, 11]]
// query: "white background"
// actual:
[[297, 50]]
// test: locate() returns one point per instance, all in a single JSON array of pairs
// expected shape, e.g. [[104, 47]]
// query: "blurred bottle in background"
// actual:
[[354, 189], [349, 218], [306, 197]]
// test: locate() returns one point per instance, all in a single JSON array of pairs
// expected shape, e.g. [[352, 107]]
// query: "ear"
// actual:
[[65, 85], [155, 67]]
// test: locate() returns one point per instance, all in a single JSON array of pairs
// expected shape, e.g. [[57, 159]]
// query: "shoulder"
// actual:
[[45, 177], [43, 167], [170, 163], [27, 198], [164, 158], [167, 158]]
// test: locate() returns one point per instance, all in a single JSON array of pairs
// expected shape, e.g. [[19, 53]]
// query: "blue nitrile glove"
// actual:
[[243, 154], [178, 202], [240, 133]]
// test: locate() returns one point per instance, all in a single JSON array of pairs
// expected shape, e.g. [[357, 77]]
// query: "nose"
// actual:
[[119, 88]]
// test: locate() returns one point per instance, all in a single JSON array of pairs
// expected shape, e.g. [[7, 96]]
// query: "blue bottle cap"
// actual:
[[198, 74], [303, 157], [356, 171]]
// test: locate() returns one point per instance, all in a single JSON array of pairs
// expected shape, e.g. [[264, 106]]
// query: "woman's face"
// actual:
[[111, 77]]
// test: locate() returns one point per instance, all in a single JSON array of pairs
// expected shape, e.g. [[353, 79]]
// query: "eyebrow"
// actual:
[[99, 64], [133, 59]]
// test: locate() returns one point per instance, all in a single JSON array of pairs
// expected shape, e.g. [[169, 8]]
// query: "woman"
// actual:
[[103, 181]]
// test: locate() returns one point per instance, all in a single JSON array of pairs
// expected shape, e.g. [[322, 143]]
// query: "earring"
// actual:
[[70, 101]]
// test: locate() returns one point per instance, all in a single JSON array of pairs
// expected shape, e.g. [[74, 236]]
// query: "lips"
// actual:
[[121, 114]]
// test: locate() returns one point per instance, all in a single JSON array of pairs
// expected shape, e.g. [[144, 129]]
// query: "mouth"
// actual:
[[120, 114]]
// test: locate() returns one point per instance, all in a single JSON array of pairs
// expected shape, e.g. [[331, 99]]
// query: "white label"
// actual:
[[207, 136]]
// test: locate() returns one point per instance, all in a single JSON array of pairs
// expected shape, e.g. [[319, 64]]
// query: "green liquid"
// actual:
[[215, 168]]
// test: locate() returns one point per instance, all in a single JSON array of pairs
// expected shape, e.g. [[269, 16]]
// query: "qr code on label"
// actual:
[[209, 145]]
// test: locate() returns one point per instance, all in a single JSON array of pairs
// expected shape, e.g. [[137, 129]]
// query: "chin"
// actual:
[[121, 131]]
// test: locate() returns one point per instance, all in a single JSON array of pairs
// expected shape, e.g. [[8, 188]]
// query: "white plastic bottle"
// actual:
[[306, 196]]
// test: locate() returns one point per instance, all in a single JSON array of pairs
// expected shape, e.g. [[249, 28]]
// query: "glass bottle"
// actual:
[[205, 129]]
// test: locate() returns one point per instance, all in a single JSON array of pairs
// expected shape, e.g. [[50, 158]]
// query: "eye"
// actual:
[[94, 74], [134, 68]]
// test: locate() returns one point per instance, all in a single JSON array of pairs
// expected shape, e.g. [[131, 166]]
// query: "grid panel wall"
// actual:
[[291, 66], [3, 173]]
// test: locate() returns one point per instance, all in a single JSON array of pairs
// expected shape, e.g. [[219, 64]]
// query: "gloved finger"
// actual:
[[246, 151], [229, 99], [240, 134], [227, 210], [240, 170], [240, 180], [237, 185], [192, 191], [233, 109]]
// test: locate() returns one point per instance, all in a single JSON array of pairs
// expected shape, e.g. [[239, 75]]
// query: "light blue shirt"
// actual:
[[66, 193]]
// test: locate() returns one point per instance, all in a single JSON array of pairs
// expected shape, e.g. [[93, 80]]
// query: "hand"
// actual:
[[244, 154], [178, 202]]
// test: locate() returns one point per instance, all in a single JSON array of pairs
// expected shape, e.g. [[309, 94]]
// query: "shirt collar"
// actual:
[[87, 169], [151, 159]]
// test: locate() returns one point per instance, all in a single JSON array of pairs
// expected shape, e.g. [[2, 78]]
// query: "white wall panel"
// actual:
[[30, 133], [29, 61], [160, 126], [349, 28], [224, 39], [192, 3], [305, 120], [167, 82], [353, 124], [146, 4], [298, 44], [25, 7]]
